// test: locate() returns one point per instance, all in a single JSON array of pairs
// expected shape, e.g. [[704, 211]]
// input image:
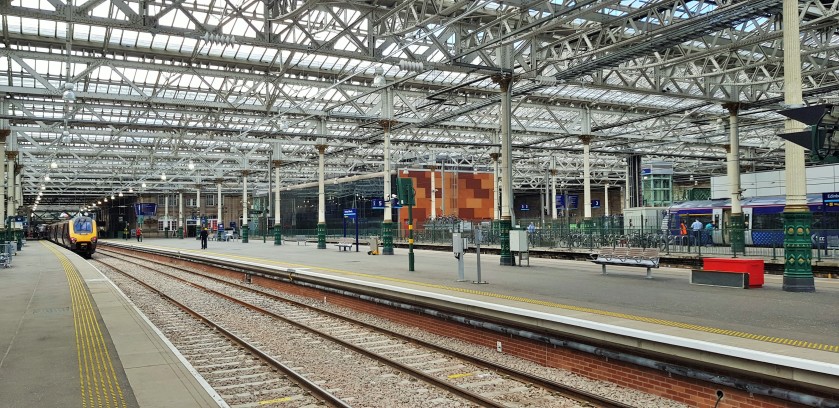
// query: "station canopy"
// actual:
[[156, 96]]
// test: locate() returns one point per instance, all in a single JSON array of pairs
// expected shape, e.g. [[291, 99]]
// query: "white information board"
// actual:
[[518, 241]]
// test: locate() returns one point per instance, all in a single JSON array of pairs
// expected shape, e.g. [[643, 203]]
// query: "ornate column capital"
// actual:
[[245, 173], [495, 156], [503, 81], [431, 167], [11, 155], [4, 133], [321, 148], [733, 107], [387, 124], [586, 139], [219, 181], [727, 148], [276, 163]]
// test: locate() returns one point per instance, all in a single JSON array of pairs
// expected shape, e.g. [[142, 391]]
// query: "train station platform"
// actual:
[[787, 331], [69, 338]]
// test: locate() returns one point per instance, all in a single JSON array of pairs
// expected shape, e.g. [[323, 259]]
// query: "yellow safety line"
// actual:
[[669, 323], [98, 380], [274, 401]]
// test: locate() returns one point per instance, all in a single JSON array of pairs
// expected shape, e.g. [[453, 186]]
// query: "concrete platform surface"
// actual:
[[71, 339]]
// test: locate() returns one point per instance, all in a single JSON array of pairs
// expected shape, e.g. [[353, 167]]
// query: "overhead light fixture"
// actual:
[[163, 176], [191, 165], [53, 165], [130, 190], [143, 185], [43, 187], [112, 197], [47, 177], [105, 199], [69, 95]]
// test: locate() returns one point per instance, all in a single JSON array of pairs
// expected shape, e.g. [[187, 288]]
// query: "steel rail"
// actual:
[[313, 388], [553, 386]]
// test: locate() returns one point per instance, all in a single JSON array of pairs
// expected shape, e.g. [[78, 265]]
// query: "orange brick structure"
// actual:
[[467, 195]]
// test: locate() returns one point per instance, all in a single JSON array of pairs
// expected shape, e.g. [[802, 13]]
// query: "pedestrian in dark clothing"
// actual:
[[204, 238]]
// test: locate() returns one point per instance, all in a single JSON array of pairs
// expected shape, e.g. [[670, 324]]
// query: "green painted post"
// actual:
[[505, 225], [387, 238], [737, 234], [278, 234], [798, 254], [411, 238], [245, 231], [321, 235], [180, 232]]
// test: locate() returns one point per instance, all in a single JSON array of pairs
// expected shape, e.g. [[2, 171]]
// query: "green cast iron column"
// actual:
[[798, 270], [387, 238], [504, 230], [245, 232], [181, 232], [737, 233], [278, 234], [322, 235], [798, 252]]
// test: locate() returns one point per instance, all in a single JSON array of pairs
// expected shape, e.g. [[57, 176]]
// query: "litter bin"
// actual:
[[374, 246]]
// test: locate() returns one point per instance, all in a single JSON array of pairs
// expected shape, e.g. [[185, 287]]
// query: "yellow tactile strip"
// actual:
[[669, 323], [99, 384]]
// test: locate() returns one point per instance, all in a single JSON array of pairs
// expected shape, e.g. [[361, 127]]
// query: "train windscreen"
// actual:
[[83, 225]]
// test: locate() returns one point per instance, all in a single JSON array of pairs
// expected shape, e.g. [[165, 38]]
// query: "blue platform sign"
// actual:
[[377, 203], [350, 213], [595, 203], [830, 201], [524, 207], [145, 209], [232, 225], [572, 201]]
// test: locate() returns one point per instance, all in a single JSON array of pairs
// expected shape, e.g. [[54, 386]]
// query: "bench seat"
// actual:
[[623, 256], [345, 244]]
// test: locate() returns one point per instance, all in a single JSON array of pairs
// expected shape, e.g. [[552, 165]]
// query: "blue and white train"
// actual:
[[762, 216]]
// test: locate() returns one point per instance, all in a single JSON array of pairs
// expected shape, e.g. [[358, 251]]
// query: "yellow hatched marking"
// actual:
[[636, 318], [98, 381], [460, 375], [274, 401]]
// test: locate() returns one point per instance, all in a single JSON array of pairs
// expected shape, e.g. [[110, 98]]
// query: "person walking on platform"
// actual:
[[709, 233], [683, 232], [204, 234], [139, 234]]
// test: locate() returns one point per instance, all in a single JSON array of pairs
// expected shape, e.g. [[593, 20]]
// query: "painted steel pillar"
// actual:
[[11, 156], [278, 228], [166, 227], [506, 220], [737, 228], [798, 269], [180, 215], [198, 205], [433, 191], [245, 206], [5, 132], [19, 185], [553, 189], [606, 200], [387, 123], [587, 221], [219, 221], [496, 209], [321, 198]]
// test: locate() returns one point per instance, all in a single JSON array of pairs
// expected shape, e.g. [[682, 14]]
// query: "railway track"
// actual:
[[240, 373], [470, 378]]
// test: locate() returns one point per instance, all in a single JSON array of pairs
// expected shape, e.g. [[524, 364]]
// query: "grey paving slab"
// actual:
[[622, 297]]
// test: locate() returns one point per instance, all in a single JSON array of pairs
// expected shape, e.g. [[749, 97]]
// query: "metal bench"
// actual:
[[646, 258], [299, 239], [345, 243]]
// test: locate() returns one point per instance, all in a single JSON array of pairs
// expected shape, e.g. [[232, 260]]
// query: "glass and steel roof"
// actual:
[[247, 84]]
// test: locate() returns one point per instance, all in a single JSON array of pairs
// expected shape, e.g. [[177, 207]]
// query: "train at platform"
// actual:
[[763, 219], [78, 234]]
